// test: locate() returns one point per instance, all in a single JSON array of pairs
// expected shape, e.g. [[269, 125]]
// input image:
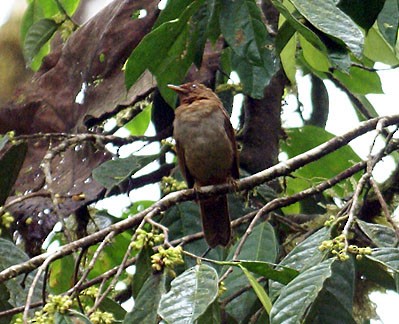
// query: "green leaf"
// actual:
[[375, 271], [263, 235], [61, 274], [112, 254], [335, 301], [154, 49], [288, 58], [147, 301], [297, 24], [316, 59], [382, 236], [32, 14], [325, 16], [295, 298], [4, 304], [111, 306], [305, 138], [201, 22], [69, 6], [387, 256], [37, 36], [10, 165], [305, 255], [49, 7], [112, 173], [62, 318], [79, 317], [260, 292], [254, 57], [388, 21], [360, 81], [172, 11], [190, 295], [139, 124], [175, 64], [242, 26], [10, 255], [211, 315], [376, 48], [254, 78], [363, 13], [268, 270], [254, 247], [143, 270]]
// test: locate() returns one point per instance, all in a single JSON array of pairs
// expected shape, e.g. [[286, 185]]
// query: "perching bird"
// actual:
[[207, 153]]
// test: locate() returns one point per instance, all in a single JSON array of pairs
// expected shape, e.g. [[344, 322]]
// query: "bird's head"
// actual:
[[192, 91]]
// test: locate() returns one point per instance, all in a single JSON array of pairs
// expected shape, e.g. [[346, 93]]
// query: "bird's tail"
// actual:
[[215, 220]]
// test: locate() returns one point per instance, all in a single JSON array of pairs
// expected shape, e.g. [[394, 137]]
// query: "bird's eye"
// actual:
[[193, 86]]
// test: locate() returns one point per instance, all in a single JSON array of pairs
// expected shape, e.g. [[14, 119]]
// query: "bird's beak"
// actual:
[[176, 88]]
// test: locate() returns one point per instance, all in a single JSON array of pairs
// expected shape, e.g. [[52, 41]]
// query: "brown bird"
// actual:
[[207, 153]]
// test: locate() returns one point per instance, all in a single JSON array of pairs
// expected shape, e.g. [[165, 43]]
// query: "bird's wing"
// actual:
[[230, 133], [183, 166]]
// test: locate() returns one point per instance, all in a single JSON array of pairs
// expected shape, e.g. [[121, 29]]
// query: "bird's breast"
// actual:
[[208, 151]]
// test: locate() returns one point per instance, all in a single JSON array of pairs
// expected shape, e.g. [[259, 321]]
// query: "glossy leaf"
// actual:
[[387, 256], [300, 293], [10, 255], [112, 173], [335, 301], [382, 236], [159, 49], [261, 245], [325, 16], [4, 304], [376, 271], [298, 25], [388, 21], [147, 301], [190, 295], [10, 164], [305, 255], [211, 315]]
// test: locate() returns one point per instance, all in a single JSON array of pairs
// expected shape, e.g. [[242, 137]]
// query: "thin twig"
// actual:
[[96, 255], [384, 207]]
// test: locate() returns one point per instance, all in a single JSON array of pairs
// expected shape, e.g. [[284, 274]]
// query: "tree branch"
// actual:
[[280, 169]]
